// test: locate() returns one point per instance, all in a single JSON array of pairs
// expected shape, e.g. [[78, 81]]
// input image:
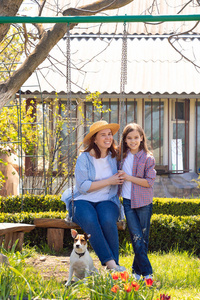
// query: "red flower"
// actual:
[[115, 288], [128, 287], [124, 276], [149, 282], [164, 297], [116, 275], [135, 285]]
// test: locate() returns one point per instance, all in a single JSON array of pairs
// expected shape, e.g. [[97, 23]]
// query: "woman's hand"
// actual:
[[113, 180]]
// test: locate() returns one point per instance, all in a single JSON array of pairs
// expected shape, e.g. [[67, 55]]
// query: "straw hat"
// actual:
[[100, 125]]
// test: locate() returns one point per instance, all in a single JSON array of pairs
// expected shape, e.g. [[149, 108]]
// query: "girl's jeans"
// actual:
[[100, 220], [138, 221]]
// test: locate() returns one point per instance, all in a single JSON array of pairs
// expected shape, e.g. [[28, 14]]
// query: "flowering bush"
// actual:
[[120, 286], [125, 287]]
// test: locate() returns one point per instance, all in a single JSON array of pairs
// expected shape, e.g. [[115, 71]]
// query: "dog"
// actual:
[[81, 263]]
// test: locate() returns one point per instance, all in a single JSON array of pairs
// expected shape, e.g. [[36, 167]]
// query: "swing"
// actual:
[[56, 227], [121, 224]]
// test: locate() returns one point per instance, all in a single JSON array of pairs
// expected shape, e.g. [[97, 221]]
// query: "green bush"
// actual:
[[169, 232], [32, 203], [176, 206]]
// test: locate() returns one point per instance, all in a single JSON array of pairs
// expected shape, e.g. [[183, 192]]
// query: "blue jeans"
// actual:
[[138, 222], [100, 220]]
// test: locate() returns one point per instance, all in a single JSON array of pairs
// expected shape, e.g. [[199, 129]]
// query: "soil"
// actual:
[[54, 266]]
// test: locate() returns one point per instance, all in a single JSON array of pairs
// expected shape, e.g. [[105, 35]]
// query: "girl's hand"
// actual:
[[123, 175], [115, 179]]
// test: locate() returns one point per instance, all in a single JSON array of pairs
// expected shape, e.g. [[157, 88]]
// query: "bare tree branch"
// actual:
[[48, 40], [178, 35]]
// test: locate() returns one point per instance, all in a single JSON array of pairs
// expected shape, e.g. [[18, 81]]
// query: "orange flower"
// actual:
[[128, 287], [135, 285], [115, 288], [116, 275], [124, 276], [149, 282]]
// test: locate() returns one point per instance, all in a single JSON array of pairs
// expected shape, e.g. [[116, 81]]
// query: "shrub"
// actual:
[[33, 203], [176, 206]]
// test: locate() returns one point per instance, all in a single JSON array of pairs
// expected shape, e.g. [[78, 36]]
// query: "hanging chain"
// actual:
[[123, 82], [69, 115]]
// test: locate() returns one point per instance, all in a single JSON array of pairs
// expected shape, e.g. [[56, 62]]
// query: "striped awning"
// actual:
[[154, 67]]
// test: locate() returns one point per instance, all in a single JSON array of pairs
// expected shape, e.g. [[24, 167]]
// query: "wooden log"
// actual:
[[1, 240], [54, 223], [11, 238], [62, 223], [55, 238], [12, 233], [14, 227], [20, 237], [55, 230]]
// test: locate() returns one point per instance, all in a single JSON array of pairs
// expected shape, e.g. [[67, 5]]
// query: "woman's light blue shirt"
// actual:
[[85, 174]]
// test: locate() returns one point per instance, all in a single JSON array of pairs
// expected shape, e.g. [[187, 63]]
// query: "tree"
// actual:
[[46, 39], [28, 135]]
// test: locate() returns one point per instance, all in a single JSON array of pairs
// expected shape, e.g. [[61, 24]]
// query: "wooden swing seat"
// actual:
[[11, 232], [56, 227]]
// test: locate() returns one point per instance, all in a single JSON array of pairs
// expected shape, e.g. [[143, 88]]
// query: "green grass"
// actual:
[[176, 274]]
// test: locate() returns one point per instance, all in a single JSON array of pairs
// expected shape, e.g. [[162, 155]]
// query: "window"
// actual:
[[178, 110], [154, 119]]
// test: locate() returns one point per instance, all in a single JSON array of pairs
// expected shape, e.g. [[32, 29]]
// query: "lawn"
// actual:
[[175, 274]]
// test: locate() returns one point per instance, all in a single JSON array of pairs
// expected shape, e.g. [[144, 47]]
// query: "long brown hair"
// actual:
[[123, 145], [92, 145]]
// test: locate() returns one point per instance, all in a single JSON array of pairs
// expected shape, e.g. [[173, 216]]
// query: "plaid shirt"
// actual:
[[143, 167]]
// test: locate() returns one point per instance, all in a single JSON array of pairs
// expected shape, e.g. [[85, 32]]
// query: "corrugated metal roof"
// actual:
[[137, 7], [153, 67]]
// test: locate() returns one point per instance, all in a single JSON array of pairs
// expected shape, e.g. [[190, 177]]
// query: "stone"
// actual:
[[4, 259]]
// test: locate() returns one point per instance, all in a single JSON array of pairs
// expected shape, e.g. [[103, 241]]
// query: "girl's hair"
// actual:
[[92, 145], [123, 146]]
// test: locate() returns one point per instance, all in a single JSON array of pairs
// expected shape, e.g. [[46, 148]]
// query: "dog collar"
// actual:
[[80, 254]]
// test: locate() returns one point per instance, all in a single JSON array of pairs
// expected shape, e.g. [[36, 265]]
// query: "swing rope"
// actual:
[[123, 82], [69, 119]]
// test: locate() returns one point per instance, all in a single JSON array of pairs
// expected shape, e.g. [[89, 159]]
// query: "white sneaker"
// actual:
[[148, 277], [118, 269], [137, 277]]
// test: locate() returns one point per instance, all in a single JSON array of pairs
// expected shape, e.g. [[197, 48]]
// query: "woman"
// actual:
[[96, 203]]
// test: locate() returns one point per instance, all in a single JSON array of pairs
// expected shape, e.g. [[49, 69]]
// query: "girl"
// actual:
[[139, 175], [96, 203]]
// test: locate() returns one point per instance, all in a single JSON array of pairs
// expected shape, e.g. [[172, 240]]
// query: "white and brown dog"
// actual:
[[81, 264]]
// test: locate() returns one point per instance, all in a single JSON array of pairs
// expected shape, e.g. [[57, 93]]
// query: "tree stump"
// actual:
[[55, 238], [11, 238]]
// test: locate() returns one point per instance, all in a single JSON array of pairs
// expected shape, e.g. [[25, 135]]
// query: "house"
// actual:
[[162, 91]]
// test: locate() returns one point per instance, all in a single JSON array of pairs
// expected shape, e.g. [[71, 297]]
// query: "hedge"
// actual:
[[167, 231], [176, 206], [32, 203]]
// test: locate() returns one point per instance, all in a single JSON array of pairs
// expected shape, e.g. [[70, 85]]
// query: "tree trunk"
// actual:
[[8, 8]]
